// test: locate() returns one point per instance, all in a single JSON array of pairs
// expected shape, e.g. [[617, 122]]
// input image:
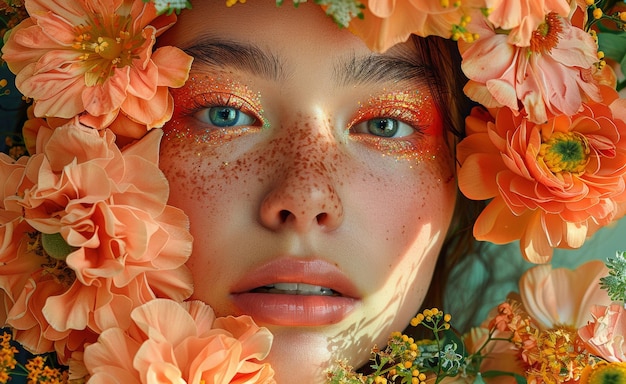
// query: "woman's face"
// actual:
[[316, 177]]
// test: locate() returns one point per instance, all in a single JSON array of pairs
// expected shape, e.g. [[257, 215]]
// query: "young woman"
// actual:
[[318, 176]]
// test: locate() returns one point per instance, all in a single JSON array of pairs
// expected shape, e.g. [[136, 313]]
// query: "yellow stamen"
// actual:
[[565, 152], [611, 373]]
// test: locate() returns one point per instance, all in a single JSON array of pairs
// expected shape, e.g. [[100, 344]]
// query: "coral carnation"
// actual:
[[553, 75], [86, 228], [199, 349], [95, 59], [551, 184], [522, 17]]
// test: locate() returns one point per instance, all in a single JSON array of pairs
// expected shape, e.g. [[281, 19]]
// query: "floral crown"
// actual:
[[84, 220]]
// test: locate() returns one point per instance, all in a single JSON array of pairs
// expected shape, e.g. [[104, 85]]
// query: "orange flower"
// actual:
[[388, 22], [89, 231], [522, 17], [553, 75], [551, 184], [95, 59], [199, 349], [604, 335]]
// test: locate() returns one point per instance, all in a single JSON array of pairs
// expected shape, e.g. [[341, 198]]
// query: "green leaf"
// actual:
[[613, 45]]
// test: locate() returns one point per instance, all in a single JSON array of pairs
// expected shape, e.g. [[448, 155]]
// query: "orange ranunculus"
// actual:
[[199, 349], [551, 76], [98, 238], [388, 22], [551, 184], [520, 18], [604, 335], [95, 59]]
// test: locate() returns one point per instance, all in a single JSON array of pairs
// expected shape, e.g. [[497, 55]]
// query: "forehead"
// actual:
[[279, 43]]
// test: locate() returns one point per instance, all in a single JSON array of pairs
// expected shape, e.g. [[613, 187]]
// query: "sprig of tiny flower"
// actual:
[[607, 24], [38, 370], [408, 361], [615, 282]]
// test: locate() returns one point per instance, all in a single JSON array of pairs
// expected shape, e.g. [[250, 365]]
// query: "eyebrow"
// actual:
[[246, 57], [378, 68], [353, 70]]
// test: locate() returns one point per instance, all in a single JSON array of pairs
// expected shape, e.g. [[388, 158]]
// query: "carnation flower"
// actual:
[[552, 75], [96, 59], [199, 349], [388, 22], [551, 185], [520, 18], [86, 228]]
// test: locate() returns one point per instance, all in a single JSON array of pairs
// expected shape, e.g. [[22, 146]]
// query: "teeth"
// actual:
[[299, 289]]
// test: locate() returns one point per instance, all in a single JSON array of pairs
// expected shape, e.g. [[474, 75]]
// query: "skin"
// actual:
[[304, 179]]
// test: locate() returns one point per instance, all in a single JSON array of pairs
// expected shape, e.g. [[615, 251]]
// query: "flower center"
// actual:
[[51, 265], [613, 373], [104, 47], [565, 152], [546, 36]]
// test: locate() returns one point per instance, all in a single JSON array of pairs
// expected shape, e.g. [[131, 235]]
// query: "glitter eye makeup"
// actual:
[[401, 124], [214, 109]]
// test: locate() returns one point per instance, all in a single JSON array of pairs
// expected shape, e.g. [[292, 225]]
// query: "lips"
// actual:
[[296, 292]]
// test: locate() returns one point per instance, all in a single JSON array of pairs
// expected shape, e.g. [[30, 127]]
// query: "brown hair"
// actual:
[[443, 57]]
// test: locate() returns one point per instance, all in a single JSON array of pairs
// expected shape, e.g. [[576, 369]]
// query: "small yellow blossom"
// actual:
[[597, 13]]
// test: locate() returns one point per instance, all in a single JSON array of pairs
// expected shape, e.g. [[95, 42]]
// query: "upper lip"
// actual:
[[297, 270]]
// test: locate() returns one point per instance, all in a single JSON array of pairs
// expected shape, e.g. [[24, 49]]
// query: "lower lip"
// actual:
[[294, 310]]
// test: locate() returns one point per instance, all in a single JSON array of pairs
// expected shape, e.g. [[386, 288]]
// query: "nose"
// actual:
[[303, 196]]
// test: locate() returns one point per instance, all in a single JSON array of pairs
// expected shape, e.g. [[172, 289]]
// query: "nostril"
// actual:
[[321, 218], [284, 214]]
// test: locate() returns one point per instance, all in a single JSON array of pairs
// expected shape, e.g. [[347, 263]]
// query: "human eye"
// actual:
[[223, 111], [405, 115], [386, 127]]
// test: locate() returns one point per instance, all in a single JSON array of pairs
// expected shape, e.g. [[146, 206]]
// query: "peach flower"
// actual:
[[540, 325], [96, 59], [604, 334], [553, 75], [551, 185], [563, 297], [388, 22], [87, 229], [520, 18], [199, 349]]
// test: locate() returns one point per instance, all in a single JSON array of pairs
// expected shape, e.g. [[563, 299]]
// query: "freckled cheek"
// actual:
[[407, 208], [201, 179]]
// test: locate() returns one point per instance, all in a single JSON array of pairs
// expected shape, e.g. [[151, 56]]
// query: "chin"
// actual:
[[301, 356]]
